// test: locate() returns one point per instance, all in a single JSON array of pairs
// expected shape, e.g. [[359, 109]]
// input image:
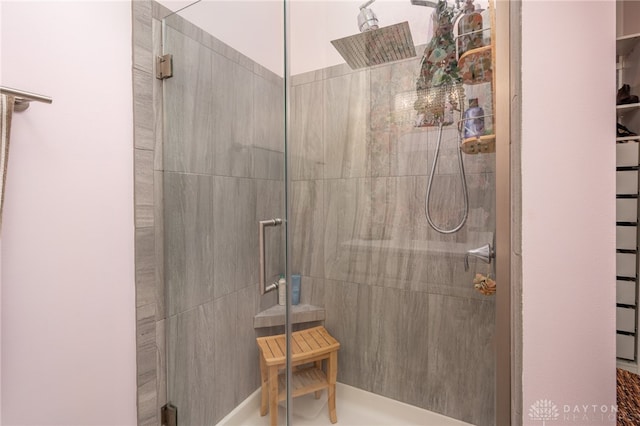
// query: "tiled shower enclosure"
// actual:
[[395, 292]]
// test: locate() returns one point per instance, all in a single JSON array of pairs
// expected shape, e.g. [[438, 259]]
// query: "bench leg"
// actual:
[[264, 388], [273, 395], [319, 367], [332, 375]]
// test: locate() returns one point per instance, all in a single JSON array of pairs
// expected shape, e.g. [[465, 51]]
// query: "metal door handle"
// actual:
[[484, 253], [264, 288]]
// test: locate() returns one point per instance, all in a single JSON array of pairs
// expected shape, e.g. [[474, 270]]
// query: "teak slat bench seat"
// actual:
[[310, 346]]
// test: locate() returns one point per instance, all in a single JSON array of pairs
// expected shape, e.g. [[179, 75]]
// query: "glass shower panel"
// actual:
[[412, 323], [223, 172]]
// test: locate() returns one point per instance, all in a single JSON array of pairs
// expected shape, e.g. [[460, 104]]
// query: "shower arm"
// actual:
[[413, 2], [421, 3], [367, 4]]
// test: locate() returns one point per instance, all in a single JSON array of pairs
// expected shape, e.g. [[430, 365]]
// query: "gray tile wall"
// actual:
[[198, 197], [396, 295], [411, 326], [151, 394], [223, 172]]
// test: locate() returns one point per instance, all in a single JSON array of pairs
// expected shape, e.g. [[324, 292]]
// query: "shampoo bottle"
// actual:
[[295, 289], [282, 291], [473, 120]]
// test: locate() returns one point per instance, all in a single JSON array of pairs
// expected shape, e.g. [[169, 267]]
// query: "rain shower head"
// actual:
[[375, 46]]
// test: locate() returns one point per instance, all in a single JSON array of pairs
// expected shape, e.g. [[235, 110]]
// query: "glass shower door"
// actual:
[[223, 172], [361, 161], [375, 147]]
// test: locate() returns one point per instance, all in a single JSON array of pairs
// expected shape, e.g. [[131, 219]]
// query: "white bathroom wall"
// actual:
[[68, 320], [568, 218], [68, 344]]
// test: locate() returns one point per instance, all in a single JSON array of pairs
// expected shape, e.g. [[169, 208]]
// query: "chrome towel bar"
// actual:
[[23, 97]]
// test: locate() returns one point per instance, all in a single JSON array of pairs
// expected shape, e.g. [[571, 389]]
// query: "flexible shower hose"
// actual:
[[463, 178]]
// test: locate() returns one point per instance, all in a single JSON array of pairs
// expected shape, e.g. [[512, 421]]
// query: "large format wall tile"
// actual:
[[225, 242], [346, 125], [190, 360], [211, 111], [461, 355], [158, 228], [396, 210], [202, 364], [144, 188], [307, 143], [141, 40], [145, 266], [341, 304], [143, 113], [268, 139], [393, 117], [307, 227], [312, 291], [189, 239], [245, 231], [232, 118], [411, 153], [395, 342], [146, 363], [225, 359], [189, 127], [347, 213], [247, 375]]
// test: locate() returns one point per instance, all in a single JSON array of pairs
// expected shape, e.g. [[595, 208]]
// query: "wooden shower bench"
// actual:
[[311, 346]]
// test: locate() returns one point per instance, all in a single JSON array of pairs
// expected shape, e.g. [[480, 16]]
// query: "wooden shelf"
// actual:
[[304, 382], [473, 52], [479, 145], [625, 44], [476, 71]]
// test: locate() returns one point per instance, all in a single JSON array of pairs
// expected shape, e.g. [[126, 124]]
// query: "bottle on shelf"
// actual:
[[282, 291], [473, 120]]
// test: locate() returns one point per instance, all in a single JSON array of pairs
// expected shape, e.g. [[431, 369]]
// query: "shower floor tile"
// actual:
[[355, 407]]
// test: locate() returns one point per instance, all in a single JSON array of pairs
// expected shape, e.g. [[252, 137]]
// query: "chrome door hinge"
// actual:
[[164, 66], [169, 415]]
